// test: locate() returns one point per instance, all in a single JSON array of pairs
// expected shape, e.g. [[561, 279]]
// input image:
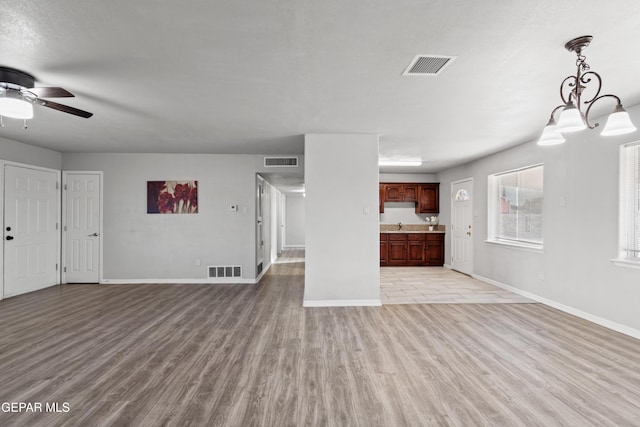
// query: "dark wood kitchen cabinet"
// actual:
[[384, 249], [435, 249], [426, 196], [397, 249], [400, 192], [416, 249], [411, 249]]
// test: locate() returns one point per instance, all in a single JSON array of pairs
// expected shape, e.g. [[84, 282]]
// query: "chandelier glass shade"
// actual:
[[578, 94], [550, 135]]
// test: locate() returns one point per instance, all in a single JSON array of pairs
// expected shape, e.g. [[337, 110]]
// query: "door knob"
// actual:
[[93, 235], [468, 233], [9, 237]]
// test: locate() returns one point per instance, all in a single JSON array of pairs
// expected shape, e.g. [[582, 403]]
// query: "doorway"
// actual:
[[31, 241], [82, 227], [260, 229], [461, 226]]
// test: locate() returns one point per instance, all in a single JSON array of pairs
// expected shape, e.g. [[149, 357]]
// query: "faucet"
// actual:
[[399, 226]]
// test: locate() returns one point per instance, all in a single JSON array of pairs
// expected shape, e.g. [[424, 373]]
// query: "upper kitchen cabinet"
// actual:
[[428, 198], [393, 192], [400, 192]]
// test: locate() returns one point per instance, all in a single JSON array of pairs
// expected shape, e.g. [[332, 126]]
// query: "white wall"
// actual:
[[29, 154], [408, 177], [144, 246], [402, 212], [580, 238], [294, 221], [342, 245]]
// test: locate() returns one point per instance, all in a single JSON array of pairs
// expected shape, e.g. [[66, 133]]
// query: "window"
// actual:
[[516, 202], [630, 203], [462, 195]]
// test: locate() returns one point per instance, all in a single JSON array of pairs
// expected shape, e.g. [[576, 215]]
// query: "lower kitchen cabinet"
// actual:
[[406, 249]]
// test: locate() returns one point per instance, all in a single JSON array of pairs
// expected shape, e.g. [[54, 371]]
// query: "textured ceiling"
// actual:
[[255, 76]]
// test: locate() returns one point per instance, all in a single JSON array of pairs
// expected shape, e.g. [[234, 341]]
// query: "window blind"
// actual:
[[631, 190]]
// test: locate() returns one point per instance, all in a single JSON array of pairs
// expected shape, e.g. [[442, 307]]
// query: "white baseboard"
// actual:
[[210, 281], [448, 266], [342, 303], [567, 309], [294, 247]]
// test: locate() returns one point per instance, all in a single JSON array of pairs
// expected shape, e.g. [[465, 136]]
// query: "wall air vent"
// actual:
[[281, 162], [428, 65], [223, 271]]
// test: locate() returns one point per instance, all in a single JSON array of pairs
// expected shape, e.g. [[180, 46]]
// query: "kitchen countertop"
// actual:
[[411, 231], [411, 228]]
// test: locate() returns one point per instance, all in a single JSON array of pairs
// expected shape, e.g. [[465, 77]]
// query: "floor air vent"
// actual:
[[428, 65], [221, 271], [281, 162]]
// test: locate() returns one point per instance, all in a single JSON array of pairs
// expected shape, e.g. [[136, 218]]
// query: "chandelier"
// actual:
[[574, 115]]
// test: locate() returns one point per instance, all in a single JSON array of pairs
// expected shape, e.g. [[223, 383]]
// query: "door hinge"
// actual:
[[56, 267], [65, 186], [65, 228], [57, 185], [64, 269], [57, 225]]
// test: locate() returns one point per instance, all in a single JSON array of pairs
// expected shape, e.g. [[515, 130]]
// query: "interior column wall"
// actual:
[[341, 216]]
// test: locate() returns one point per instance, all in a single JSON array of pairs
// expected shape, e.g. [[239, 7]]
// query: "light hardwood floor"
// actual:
[[244, 355]]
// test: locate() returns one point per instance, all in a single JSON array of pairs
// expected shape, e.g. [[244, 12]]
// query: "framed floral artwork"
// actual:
[[172, 197]]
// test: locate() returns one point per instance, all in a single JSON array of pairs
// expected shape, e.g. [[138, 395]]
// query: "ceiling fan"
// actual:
[[17, 96]]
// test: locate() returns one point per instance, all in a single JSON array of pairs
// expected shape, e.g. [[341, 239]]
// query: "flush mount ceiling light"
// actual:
[[574, 115], [399, 162]]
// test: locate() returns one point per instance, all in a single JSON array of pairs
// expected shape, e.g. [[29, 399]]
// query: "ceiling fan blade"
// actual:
[[50, 92], [63, 108]]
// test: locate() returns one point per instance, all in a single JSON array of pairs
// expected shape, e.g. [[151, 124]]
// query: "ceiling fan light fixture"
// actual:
[[15, 108], [618, 123]]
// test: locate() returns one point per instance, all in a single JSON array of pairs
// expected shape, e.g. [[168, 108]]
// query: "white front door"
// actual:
[[461, 230], [31, 234], [82, 229]]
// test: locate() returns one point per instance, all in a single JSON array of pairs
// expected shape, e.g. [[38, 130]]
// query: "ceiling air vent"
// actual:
[[428, 65], [281, 162]]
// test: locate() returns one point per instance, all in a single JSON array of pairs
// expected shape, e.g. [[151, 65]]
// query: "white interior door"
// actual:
[[259, 224], [461, 227], [31, 234], [82, 227]]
